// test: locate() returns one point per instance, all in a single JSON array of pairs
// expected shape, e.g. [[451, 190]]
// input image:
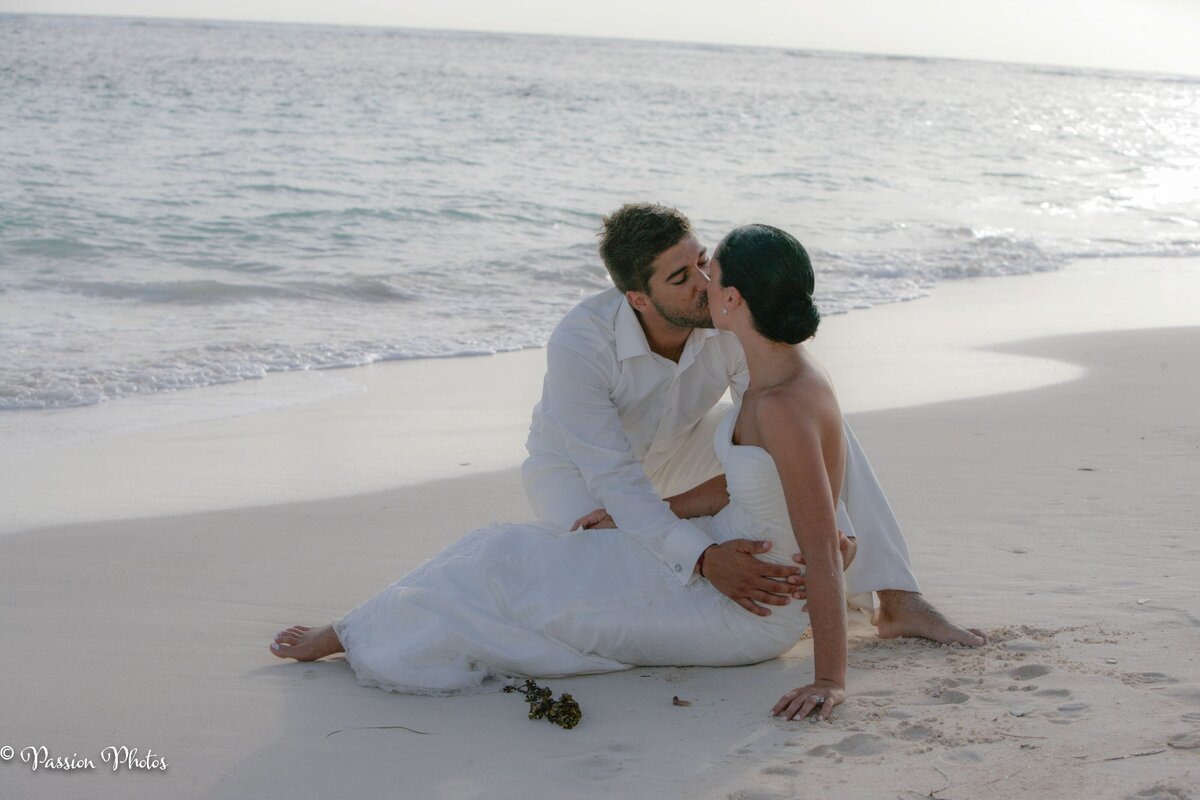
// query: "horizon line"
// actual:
[[638, 39]]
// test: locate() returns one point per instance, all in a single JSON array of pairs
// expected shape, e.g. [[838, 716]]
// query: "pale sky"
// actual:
[[1152, 35]]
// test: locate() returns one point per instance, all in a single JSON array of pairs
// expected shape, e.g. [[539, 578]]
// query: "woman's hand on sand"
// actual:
[[818, 698], [594, 521]]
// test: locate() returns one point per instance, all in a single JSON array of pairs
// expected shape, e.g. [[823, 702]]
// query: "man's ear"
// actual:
[[639, 300]]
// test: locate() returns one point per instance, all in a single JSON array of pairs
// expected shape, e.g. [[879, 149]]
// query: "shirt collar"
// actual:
[[631, 339]]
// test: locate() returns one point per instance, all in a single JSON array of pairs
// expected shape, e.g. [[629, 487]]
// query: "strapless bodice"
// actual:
[[757, 507]]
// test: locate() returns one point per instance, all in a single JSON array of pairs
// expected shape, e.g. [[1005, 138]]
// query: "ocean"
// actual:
[[187, 204]]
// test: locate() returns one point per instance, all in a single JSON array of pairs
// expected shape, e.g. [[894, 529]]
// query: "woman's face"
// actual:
[[716, 298]]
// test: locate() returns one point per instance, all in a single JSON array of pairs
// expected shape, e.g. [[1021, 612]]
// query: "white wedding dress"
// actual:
[[527, 599]]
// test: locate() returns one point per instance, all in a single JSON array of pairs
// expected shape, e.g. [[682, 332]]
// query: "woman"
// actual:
[[500, 602]]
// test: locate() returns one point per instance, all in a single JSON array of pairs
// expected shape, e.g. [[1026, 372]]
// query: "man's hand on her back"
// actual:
[[848, 548], [733, 569]]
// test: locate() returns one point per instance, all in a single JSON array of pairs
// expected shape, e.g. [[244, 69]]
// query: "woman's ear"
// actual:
[[732, 298]]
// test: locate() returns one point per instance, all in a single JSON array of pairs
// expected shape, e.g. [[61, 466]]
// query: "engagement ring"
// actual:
[[819, 700]]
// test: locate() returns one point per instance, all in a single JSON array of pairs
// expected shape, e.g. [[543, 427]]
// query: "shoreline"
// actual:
[[364, 429], [1061, 519]]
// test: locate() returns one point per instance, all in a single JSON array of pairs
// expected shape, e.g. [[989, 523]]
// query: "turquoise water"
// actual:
[[185, 204]]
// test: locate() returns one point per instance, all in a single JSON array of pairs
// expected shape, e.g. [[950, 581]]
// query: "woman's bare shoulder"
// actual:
[[811, 387], [804, 406]]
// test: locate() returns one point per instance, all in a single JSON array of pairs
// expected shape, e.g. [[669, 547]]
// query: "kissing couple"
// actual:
[[668, 520]]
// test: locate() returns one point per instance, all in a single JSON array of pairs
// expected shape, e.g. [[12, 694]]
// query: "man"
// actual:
[[628, 410]]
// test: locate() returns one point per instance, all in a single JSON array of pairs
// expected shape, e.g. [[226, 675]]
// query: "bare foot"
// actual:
[[910, 614], [306, 644]]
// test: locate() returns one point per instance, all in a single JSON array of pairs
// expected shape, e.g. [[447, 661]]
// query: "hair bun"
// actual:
[[797, 324], [772, 270]]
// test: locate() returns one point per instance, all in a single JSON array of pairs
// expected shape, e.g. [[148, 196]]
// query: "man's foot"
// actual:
[[306, 644], [910, 614]]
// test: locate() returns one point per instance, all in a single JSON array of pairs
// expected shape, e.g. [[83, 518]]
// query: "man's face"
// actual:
[[678, 286]]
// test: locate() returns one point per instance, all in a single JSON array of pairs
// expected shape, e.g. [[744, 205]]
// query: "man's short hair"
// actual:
[[633, 236]]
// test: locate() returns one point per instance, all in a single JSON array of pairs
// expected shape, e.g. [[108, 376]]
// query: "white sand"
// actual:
[[1062, 518]]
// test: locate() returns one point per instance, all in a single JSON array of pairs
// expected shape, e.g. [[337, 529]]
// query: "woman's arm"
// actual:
[[804, 448]]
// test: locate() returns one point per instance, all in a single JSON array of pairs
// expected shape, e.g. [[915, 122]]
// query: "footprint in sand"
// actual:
[[1161, 791], [942, 692], [857, 744], [944, 697], [787, 772], [1016, 687], [915, 733], [963, 756], [595, 767], [1184, 695], [1063, 714], [1160, 678], [1028, 672], [1185, 741], [1067, 713]]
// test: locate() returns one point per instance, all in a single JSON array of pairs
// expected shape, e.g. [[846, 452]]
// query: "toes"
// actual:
[[293, 634], [969, 637]]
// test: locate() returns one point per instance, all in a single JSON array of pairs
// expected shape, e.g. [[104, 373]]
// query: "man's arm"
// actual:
[[578, 399], [577, 396], [700, 501]]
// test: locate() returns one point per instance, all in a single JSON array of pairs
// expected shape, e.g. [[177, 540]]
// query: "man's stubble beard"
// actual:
[[699, 319]]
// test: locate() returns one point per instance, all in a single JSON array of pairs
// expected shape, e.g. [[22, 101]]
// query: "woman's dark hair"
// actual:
[[772, 271]]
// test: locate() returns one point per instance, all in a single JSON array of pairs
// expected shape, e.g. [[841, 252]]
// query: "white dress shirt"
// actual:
[[615, 410]]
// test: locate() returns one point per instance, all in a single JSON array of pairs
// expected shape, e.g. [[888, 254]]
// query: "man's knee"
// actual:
[[557, 493], [693, 461]]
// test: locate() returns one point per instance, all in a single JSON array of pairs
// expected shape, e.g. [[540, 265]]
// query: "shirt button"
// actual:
[[678, 568]]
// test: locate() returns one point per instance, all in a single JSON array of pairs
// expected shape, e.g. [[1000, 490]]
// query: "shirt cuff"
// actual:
[[682, 549]]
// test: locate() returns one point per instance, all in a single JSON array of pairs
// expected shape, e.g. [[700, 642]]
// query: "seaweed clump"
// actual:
[[564, 711]]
